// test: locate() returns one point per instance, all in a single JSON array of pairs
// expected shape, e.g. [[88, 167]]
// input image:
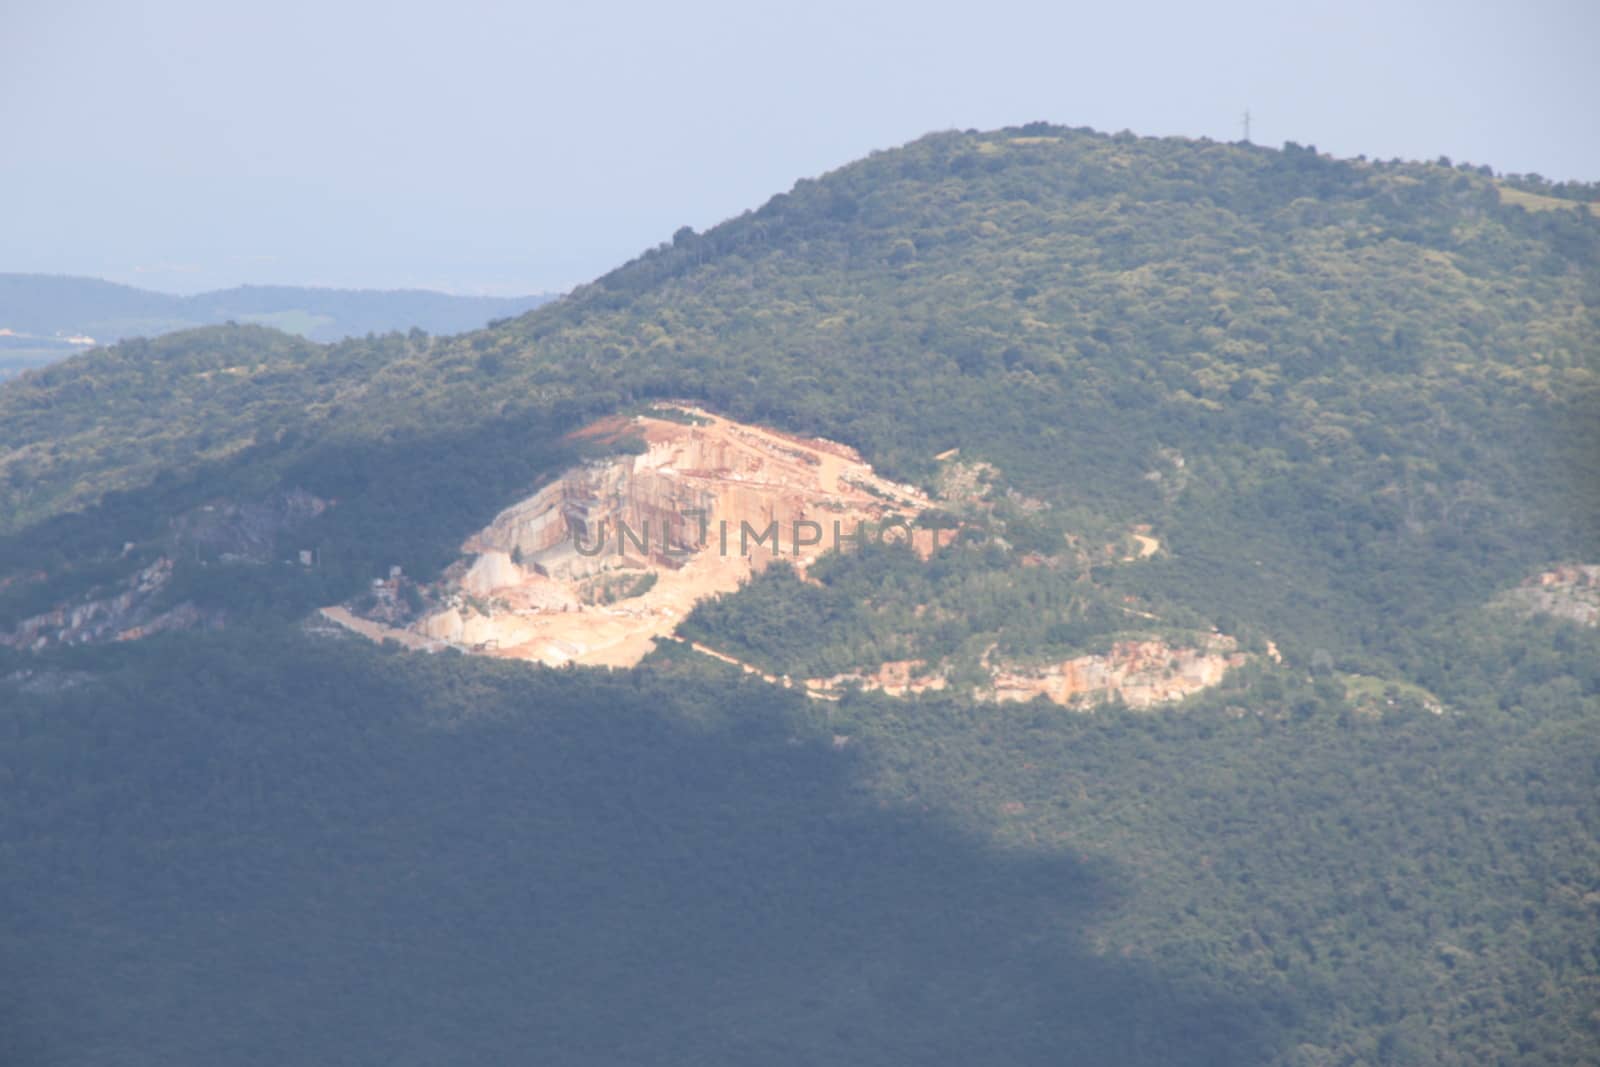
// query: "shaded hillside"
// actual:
[[347, 864], [260, 845]]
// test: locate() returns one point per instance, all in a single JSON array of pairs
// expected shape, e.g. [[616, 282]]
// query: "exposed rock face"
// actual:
[[1144, 546], [694, 484], [1571, 591], [126, 615], [896, 678], [707, 503], [1141, 674], [225, 533]]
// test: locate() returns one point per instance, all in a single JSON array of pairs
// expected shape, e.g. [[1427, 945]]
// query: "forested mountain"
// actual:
[[43, 310], [1354, 403]]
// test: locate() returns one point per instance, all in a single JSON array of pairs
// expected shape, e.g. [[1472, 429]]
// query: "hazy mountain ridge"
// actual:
[[43, 311]]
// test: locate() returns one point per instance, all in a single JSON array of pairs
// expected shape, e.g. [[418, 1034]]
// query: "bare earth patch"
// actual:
[[1570, 591]]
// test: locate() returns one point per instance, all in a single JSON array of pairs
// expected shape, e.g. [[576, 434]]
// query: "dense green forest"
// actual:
[[1353, 400], [261, 846]]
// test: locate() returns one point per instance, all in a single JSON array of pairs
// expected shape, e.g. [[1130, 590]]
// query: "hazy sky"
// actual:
[[189, 144]]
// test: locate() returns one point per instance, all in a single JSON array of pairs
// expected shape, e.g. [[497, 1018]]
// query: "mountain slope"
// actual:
[[1335, 409], [1364, 370]]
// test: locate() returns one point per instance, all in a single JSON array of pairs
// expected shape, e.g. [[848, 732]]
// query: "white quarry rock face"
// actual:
[[490, 571], [536, 588]]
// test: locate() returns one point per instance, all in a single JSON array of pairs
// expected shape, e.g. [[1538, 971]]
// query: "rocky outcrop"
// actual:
[[1139, 673], [222, 533], [1570, 591], [126, 615], [896, 678]]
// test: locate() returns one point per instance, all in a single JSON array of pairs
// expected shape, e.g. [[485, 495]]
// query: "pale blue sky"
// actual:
[[189, 144]]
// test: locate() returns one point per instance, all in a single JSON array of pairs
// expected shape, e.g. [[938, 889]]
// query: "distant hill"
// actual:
[[50, 316]]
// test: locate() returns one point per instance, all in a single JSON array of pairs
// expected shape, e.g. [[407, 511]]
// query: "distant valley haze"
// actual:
[[44, 318]]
